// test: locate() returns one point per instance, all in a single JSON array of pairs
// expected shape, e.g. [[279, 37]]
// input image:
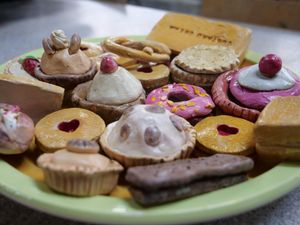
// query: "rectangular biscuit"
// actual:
[[148, 198], [180, 31], [180, 172], [279, 123]]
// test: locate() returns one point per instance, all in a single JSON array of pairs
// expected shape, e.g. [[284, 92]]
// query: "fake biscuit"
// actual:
[[207, 59]]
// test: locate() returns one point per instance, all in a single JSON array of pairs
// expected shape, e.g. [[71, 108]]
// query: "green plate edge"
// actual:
[[104, 209]]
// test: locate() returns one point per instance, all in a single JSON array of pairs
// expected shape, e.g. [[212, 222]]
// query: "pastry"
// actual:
[[145, 51], [63, 63], [187, 101], [147, 134], [151, 76], [35, 98], [161, 183], [202, 64], [254, 87], [56, 129], [180, 31], [79, 170], [277, 129], [16, 130], [225, 134], [144, 59], [110, 93]]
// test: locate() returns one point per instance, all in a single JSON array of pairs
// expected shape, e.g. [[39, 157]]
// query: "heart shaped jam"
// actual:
[[225, 130], [69, 126]]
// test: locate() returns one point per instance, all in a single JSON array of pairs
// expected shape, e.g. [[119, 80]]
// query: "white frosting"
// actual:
[[253, 79], [171, 140], [116, 88], [67, 158], [9, 119]]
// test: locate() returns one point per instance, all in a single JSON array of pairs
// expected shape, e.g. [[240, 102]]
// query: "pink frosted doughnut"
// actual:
[[187, 101]]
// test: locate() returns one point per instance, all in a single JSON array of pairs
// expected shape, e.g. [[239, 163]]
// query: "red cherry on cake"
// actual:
[[269, 65], [29, 65], [108, 65]]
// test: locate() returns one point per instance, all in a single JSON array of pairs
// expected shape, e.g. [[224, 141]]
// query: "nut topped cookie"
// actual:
[[207, 59], [63, 63], [147, 134]]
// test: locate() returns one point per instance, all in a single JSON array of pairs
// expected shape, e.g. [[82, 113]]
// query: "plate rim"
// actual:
[[285, 176]]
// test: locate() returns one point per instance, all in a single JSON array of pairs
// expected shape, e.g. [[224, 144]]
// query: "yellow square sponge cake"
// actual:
[[277, 130], [180, 31]]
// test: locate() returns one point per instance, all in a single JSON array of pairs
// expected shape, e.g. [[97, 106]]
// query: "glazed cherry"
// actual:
[[225, 130], [69, 126], [269, 65], [108, 65]]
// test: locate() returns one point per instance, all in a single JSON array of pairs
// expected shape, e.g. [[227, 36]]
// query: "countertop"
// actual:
[[23, 24]]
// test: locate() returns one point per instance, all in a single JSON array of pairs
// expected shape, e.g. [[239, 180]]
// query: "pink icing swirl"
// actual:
[[259, 99], [187, 101]]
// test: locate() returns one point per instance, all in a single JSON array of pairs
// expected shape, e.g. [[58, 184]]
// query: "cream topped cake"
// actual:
[[147, 134], [111, 92]]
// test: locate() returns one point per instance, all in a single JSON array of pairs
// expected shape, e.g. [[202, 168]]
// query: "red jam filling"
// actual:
[[178, 96], [225, 130], [145, 69], [69, 126]]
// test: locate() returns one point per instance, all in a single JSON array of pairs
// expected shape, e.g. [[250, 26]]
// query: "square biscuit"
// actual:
[[279, 123], [180, 31]]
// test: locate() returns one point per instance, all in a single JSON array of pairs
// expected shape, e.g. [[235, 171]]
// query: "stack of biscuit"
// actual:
[[277, 130]]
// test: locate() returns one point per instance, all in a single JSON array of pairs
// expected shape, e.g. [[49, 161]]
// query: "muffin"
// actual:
[[110, 93], [63, 63], [79, 170], [148, 134]]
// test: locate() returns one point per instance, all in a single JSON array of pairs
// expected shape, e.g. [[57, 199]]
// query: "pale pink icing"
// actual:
[[199, 103], [259, 99]]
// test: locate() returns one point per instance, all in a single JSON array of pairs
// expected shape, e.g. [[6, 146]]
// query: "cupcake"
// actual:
[[110, 93], [80, 170], [16, 130], [253, 87], [148, 134], [63, 63], [201, 64]]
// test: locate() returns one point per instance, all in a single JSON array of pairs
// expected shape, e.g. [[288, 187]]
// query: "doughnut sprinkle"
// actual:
[[185, 100]]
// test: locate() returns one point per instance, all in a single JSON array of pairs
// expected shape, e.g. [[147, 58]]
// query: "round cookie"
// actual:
[[56, 129], [202, 64], [207, 59], [225, 134], [152, 77], [187, 101]]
